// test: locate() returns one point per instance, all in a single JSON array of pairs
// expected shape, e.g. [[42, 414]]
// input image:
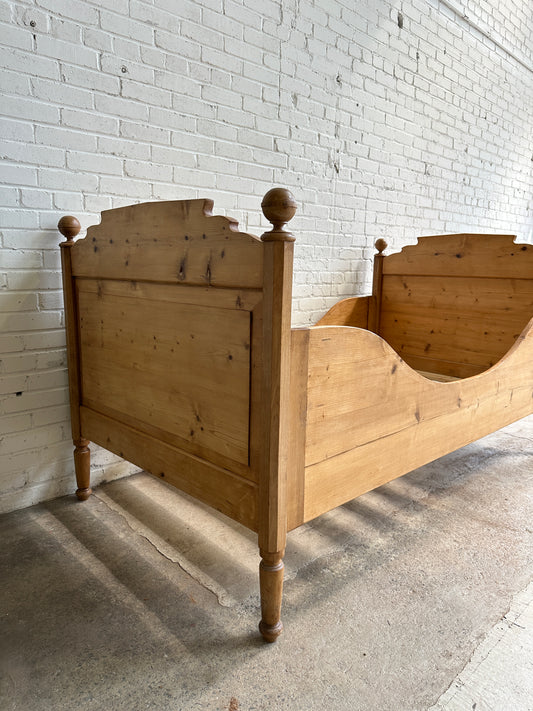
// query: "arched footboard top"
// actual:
[[177, 241]]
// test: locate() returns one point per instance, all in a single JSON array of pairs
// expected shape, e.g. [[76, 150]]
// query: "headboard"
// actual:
[[151, 333], [171, 314], [455, 304]]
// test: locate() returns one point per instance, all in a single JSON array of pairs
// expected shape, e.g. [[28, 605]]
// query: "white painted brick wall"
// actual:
[[379, 130]]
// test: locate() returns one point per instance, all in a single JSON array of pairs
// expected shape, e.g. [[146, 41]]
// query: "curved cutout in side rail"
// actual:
[[372, 418]]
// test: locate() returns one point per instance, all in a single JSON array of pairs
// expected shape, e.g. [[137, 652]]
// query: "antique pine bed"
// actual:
[[182, 360]]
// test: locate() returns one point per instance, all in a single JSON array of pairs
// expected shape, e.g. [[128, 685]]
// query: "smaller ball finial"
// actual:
[[381, 245], [69, 227], [279, 206]]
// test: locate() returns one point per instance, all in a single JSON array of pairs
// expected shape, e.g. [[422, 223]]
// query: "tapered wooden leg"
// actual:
[[271, 585], [82, 464]]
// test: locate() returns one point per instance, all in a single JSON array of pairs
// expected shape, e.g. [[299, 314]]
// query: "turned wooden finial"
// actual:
[[381, 245], [69, 227], [278, 207]]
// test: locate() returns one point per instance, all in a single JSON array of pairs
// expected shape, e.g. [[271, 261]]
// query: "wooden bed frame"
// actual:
[[182, 360]]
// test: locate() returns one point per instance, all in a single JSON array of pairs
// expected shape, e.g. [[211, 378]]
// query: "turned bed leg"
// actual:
[[271, 585], [82, 464]]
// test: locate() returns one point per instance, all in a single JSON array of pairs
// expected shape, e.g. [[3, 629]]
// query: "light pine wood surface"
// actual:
[[182, 360], [348, 312]]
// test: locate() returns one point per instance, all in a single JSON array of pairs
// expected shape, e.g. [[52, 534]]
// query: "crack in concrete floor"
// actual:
[[168, 551]]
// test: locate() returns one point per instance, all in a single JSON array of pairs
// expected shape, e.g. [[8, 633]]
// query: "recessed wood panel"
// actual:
[[181, 367], [480, 296]]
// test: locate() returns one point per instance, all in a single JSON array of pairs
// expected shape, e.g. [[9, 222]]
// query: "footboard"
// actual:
[[450, 304]]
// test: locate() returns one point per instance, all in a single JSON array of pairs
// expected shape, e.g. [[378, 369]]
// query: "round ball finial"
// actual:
[[69, 227], [279, 206], [381, 245]]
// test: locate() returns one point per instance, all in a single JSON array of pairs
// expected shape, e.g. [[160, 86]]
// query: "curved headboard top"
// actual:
[[177, 241], [469, 255]]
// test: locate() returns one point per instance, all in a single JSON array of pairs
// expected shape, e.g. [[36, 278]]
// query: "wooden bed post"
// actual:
[[374, 314], [69, 228], [278, 207]]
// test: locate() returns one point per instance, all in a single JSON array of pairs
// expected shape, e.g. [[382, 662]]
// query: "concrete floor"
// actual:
[[412, 597]]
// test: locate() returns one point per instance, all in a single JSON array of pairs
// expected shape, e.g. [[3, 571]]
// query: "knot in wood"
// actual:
[[69, 227]]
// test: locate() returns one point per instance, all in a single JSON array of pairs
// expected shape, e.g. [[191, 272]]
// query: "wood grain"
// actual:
[[348, 312], [456, 304], [181, 367], [466, 255], [298, 427], [278, 261], [438, 377], [278, 207], [175, 242], [227, 492], [461, 338], [71, 328], [481, 296], [355, 442], [374, 307], [445, 368]]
